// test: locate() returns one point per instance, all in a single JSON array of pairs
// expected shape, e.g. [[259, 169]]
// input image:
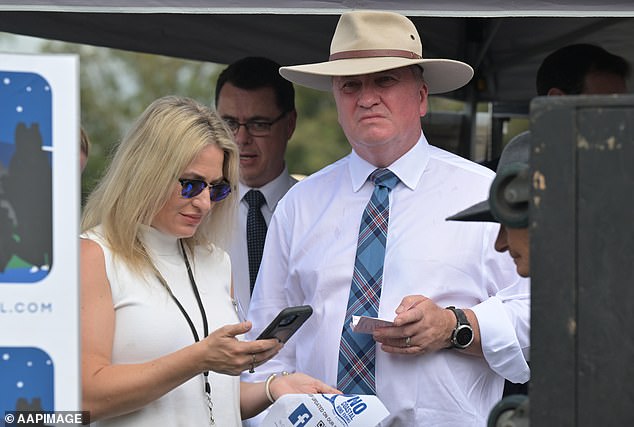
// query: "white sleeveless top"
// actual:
[[148, 324]]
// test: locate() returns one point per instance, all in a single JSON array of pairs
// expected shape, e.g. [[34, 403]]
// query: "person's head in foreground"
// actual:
[[508, 203]]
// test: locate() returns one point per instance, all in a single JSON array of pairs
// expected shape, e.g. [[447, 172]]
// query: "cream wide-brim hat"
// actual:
[[371, 41]]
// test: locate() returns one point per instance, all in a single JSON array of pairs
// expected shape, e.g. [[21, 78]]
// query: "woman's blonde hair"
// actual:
[[84, 141], [164, 140]]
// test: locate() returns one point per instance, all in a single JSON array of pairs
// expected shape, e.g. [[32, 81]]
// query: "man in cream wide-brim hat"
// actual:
[[366, 235]]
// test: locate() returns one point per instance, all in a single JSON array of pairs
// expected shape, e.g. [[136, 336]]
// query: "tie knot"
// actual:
[[254, 198], [384, 178]]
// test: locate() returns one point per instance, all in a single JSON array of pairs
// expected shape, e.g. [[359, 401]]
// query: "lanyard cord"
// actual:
[[201, 307], [191, 323]]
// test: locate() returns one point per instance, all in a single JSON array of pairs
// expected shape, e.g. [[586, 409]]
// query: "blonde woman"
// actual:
[[159, 330]]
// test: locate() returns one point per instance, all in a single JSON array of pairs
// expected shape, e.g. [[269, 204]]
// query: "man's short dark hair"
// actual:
[[257, 72], [566, 68]]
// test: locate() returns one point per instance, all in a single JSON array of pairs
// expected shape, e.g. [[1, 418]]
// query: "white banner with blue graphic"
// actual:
[[325, 410], [39, 222]]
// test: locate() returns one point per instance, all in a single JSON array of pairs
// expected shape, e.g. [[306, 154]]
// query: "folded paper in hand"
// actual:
[[331, 410], [367, 325]]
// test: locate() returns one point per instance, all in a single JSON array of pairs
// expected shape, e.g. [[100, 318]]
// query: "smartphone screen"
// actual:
[[286, 323]]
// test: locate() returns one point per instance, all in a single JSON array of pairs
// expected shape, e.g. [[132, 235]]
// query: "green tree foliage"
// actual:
[[318, 139]]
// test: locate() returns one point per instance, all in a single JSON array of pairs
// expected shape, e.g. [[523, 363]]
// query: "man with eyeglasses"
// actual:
[[258, 105]]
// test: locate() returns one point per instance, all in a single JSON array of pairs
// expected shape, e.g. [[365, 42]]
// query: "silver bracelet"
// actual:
[[267, 385]]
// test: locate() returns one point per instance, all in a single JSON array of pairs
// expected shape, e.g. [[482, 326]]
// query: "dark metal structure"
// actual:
[[582, 261]]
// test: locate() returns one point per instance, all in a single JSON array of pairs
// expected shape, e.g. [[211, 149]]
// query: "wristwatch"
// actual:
[[462, 335]]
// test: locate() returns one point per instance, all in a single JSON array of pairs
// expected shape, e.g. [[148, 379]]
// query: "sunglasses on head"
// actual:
[[193, 187]]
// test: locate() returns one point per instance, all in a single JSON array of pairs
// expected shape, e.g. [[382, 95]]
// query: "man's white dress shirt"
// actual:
[[309, 258], [272, 191]]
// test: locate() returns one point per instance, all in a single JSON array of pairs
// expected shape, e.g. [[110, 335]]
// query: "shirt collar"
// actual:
[[408, 168], [272, 191]]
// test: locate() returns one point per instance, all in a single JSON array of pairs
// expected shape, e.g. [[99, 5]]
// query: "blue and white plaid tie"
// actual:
[[357, 351]]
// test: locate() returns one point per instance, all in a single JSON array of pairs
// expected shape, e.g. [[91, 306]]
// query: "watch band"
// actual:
[[462, 335], [461, 318]]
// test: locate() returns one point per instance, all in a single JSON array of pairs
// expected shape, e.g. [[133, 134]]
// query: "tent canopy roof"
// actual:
[[504, 42], [449, 8]]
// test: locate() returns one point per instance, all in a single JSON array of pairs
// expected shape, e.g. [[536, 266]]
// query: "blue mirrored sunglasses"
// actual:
[[193, 187]]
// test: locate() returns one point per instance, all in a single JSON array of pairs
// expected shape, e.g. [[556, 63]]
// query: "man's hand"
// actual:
[[420, 326]]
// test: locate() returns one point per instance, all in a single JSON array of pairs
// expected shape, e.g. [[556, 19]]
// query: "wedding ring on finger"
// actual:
[[252, 369], [408, 342]]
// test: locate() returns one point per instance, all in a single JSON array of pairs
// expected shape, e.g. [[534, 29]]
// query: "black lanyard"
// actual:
[[201, 307]]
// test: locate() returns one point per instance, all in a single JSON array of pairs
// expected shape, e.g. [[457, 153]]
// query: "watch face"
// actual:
[[464, 336]]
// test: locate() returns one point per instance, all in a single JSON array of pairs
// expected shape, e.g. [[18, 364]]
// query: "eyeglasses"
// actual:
[[254, 127], [193, 187]]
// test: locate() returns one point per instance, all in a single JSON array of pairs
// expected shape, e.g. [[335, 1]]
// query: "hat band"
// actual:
[[373, 53]]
